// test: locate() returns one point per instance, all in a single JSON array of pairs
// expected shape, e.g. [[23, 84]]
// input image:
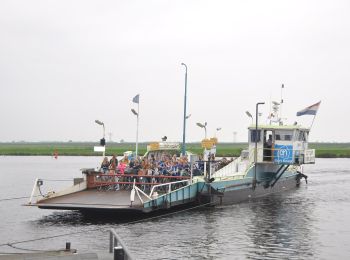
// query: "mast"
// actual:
[[256, 142], [282, 87]]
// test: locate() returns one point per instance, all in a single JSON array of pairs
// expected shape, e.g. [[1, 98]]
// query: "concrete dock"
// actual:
[[58, 255]]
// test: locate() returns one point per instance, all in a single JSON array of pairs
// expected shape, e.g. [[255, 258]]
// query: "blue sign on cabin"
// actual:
[[283, 154]]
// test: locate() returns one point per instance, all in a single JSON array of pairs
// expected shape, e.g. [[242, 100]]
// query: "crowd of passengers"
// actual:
[[148, 168], [168, 165]]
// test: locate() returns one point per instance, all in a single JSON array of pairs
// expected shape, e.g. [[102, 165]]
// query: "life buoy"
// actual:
[[55, 154]]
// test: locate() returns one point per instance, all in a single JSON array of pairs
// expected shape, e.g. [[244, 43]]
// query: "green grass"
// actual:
[[81, 149], [222, 150], [323, 150], [331, 150]]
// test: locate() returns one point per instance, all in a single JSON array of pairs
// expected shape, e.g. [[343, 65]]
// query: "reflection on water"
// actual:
[[280, 229], [306, 223], [64, 218]]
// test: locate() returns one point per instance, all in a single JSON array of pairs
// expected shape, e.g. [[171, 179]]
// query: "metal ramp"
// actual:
[[91, 199], [237, 166], [181, 196]]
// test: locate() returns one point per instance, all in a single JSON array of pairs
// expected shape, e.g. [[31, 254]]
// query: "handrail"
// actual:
[[230, 167], [295, 152], [108, 179], [114, 241], [166, 184], [102, 183], [137, 189], [143, 175], [34, 191]]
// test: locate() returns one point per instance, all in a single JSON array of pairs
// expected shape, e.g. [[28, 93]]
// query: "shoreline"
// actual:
[[323, 150]]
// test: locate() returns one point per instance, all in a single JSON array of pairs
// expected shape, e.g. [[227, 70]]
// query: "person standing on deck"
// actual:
[[105, 165], [113, 164], [269, 149]]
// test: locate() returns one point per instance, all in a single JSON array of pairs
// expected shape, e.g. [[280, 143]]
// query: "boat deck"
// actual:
[[92, 199]]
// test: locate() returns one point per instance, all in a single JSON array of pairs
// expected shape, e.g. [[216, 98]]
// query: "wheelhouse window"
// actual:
[[287, 137], [255, 136], [302, 136], [284, 135]]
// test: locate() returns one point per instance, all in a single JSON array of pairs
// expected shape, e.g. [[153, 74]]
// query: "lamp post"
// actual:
[[137, 129], [249, 115], [104, 134], [256, 141], [136, 100], [217, 130], [184, 124], [205, 149], [234, 136], [205, 128], [282, 87]]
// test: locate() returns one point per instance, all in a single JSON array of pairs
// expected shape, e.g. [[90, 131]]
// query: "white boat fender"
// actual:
[[155, 195], [132, 195]]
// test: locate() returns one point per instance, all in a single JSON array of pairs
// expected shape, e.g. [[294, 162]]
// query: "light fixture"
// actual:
[[134, 112]]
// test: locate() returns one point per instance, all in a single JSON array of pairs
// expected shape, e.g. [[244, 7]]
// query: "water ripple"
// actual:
[[310, 222]]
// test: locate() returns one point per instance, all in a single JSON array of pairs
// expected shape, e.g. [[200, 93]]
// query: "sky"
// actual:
[[65, 64]]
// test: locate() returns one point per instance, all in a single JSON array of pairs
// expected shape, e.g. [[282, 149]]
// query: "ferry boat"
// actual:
[[271, 163]]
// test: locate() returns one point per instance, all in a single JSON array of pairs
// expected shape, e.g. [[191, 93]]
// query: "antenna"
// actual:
[[282, 87], [274, 112], [270, 113]]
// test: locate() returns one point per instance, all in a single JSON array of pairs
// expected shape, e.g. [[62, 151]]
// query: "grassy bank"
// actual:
[[323, 150]]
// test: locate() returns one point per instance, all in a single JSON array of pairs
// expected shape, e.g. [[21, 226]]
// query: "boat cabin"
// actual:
[[286, 144]]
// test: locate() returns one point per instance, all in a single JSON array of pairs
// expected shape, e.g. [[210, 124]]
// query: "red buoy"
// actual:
[[55, 154]]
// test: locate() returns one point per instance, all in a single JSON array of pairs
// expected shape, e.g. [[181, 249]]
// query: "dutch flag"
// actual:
[[311, 110]]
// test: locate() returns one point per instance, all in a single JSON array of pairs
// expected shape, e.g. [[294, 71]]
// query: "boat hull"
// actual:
[[202, 194], [246, 192]]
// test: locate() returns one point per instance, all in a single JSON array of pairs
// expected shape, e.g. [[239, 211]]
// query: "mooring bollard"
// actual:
[[111, 237], [118, 253]]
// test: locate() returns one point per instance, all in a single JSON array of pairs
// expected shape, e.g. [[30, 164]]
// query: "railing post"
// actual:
[[111, 242], [118, 248], [33, 194], [118, 253]]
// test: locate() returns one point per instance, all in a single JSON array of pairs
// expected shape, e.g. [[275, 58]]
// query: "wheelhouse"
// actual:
[[280, 144]]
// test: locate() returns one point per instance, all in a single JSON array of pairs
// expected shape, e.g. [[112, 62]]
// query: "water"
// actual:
[[311, 222]]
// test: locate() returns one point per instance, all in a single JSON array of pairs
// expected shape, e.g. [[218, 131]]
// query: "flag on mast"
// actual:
[[136, 99], [311, 110]]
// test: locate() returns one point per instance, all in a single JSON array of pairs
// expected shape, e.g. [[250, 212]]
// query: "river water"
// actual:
[[311, 222]]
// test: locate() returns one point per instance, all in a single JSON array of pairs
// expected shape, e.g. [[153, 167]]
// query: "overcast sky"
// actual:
[[64, 64]]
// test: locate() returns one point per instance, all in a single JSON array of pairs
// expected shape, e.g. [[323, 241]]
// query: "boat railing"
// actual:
[[283, 155], [136, 190], [232, 177], [125, 181], [187, 182], [41, 192], [118, 247], [152, 195], [231, 168]]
